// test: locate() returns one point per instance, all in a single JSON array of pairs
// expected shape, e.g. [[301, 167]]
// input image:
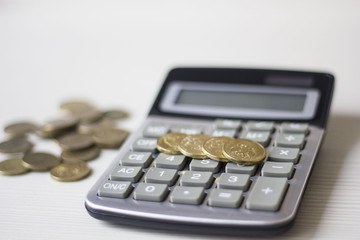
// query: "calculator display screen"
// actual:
[[243, 100], [239, 100]]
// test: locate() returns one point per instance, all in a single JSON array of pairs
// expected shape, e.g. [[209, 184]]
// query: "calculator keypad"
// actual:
[[143, 174]]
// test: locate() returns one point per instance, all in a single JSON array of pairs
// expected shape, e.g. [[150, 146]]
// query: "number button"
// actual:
[[234, 181], [196, 179], [242, 169], [150, 192], [205, 165], [170, 161], [160, 175]]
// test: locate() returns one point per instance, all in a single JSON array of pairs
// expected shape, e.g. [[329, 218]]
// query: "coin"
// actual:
[[12, 166], [40, 161], [88, 116], [81, 155], [70, 171], [169, 143], [75, 106], [192, 145], [89, 128], [109, 137], [15, 145], [115, 114], [75, 141], [213, 148], [244, 151], [20, 128], [57, 127]]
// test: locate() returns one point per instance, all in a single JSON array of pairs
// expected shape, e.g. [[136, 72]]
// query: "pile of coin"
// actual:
[[81, 134], [224, 149]]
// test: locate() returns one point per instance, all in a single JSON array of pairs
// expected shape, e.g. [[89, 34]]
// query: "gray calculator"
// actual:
[[285, 111]]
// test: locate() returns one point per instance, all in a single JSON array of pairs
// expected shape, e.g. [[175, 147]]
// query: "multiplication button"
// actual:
[[280, 154]]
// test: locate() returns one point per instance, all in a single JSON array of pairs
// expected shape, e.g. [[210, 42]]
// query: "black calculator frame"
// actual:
[[324, 82]]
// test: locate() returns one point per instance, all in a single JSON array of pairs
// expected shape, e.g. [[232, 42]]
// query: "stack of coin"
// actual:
[[81, 134], [224, 149]]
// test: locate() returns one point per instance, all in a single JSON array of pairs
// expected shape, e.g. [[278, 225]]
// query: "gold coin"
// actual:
[[89, 128], [40, 161], [70, 171], [12, 167], [244, 151], [169, 143], [20, 128], [109, 137], [57, 127], [115, 114], [75, 141], [192, 145], [213, 148], [15, 145], [81, 155], [88, 116], [75, 106]]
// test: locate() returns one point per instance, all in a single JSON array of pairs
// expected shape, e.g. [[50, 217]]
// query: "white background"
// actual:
[[117, 53]]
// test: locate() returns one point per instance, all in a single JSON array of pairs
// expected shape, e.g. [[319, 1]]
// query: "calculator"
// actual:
[[285, 111]]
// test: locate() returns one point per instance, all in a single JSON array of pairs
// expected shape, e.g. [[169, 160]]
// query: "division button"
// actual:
[[267, 194]]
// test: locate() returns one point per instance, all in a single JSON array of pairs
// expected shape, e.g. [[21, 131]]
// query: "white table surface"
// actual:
[[117, 53]]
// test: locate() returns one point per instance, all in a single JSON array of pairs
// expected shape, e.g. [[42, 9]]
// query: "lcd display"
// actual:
[[243, 100]]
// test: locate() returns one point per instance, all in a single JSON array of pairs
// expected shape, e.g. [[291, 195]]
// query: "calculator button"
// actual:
[[155, 131], [290, 140], [277, 169], [187, 195], [142, 159], [145, 145], [287, 127], [222, 133], [261, 137], [267, 194], [260, 126], [124, 173], [160, 175], [170, 161], [205, 165], [234, 181], [225, 198], [242, 169], [115, 189], [280, 154], [196, 179], [151, 192], [187, 130], [228, 124]]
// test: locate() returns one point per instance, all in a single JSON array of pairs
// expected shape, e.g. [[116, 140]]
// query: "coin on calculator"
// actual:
[[192, 146], [213, 148], [244, 151], [169, 143]]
